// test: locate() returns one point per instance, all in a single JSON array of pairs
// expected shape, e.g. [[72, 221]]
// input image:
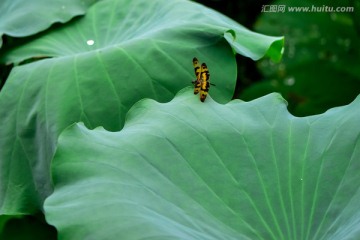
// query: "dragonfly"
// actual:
[[202, 81]]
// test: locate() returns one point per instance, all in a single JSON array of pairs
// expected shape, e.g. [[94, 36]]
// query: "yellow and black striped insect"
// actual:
[[202, 81]]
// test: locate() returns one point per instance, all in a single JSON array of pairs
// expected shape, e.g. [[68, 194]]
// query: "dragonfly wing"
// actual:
[[197, 69]]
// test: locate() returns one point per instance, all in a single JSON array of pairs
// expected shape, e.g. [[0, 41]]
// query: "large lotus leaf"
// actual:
[[320, 64], [20, 18], [120, 24], [120, 52], [187, 170]]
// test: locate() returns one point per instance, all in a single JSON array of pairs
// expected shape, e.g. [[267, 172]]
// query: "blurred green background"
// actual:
[[320, 68]]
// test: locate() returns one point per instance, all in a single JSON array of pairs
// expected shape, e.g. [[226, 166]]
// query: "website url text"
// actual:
[[324, 8]]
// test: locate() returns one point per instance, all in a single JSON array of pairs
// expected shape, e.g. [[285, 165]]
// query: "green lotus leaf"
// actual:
[[95, 69], [192, 170], [24, 18], [120, 24]]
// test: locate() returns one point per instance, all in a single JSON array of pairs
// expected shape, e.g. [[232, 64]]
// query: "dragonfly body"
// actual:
[[202, 81]]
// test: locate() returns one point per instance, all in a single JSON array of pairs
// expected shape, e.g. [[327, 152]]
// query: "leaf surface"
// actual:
[[120, 24], [187, 170], [24, 18], [95, 69]]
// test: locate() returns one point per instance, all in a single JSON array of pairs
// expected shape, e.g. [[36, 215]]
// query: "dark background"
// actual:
[[320, 68]]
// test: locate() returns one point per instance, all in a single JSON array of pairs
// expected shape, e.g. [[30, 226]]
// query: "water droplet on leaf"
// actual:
[[90, 42]]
